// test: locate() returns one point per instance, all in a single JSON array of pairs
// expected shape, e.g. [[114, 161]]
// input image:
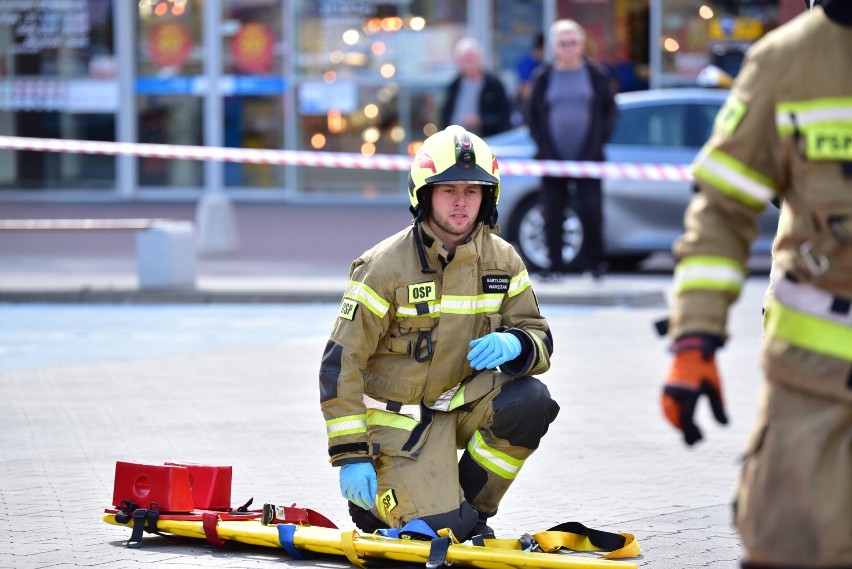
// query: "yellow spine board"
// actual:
[[329, 541]]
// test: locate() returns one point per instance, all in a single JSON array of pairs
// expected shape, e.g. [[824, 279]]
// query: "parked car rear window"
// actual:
[[680, 125]]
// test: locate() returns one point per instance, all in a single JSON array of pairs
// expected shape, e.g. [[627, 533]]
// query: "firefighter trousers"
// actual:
[[794, 501], [497, 433]]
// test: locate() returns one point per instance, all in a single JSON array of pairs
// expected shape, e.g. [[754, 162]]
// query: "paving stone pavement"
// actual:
[[249, 399]]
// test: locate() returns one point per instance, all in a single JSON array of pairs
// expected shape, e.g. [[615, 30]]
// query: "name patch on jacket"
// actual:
[[495, 283], [347, 309], [421, 292]]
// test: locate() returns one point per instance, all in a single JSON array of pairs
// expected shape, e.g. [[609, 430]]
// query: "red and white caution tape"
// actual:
[[508, 167]]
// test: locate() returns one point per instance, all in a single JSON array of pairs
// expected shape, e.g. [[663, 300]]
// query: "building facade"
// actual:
[[360, 76]]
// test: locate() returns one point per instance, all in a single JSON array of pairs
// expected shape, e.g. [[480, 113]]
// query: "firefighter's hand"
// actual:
[[358, 484], [693, 373], [493, 349]]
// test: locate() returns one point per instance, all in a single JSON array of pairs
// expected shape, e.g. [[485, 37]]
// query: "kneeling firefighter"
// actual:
[[434, 350]]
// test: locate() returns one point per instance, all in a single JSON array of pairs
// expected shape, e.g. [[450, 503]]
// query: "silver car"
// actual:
[[641, 217]]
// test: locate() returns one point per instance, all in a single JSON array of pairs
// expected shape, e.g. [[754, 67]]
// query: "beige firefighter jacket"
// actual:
[[401, 336], [784, 133]]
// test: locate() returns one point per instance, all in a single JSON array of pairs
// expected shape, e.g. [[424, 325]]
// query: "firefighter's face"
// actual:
[[454, 210]]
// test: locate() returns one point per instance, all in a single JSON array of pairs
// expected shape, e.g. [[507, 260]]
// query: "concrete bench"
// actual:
[[165, 248]]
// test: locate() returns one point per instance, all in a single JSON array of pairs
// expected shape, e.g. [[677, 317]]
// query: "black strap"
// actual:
[[141, 517], [601, 539], [438, 553]]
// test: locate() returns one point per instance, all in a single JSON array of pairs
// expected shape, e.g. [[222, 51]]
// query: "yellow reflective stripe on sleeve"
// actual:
[[368, 297], [808, 332], [348, 425], [492, 459], [735, 179], [452, 304], [377, 417], [542, 360], [519, 283], [708, 273]]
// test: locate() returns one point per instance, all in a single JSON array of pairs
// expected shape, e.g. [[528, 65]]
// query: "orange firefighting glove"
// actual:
[[693, 373]]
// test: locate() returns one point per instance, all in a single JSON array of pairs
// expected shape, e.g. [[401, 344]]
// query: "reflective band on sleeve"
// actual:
[[519, 283], [368, 297], [543, 358], [735, 179], [708, 273], [492, 459], [377, 417], [808, 332], [349, 425], [412, 411]]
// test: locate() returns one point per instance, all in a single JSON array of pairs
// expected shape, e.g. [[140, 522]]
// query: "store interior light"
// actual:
[[318, 140], [416, 23], [706, 12], [351, 37], [368, 149], [371, 110], [378, 47], [670, 45], [371, 134], [397, 134], [387, 70], [162, 7], [329, 76]]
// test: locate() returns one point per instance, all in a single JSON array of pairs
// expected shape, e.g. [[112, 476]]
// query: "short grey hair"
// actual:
[[465, 45], [560, 26]]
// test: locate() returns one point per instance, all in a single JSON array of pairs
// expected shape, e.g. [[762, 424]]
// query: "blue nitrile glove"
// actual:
[[493, 349], [358, 484]]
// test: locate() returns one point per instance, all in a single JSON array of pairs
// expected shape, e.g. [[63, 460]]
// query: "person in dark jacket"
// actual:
[[476, 99], [572, 113]]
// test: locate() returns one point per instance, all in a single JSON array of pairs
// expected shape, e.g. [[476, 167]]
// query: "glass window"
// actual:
[[651, 126], [169, 87], [252, 58], [400, 40], [170, 38], [369, 74], [57, 71], [718, 32], [170, 120]]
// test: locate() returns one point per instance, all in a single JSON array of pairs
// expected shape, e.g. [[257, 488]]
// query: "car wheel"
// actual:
[[526, 231]]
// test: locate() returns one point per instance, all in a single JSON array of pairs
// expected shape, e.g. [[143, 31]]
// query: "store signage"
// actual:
[[59, 95], [252, 47], [198, 85], [169, 44], [37, 25]]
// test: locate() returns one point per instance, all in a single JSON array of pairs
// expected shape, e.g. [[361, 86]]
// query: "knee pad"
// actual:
[[461, 521], [523, 411]]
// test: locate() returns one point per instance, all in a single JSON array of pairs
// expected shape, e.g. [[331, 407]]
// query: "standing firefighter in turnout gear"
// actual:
[[433, 350], [785, 133]]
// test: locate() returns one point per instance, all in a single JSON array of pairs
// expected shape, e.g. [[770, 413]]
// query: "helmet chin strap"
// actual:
[[420, 213]]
